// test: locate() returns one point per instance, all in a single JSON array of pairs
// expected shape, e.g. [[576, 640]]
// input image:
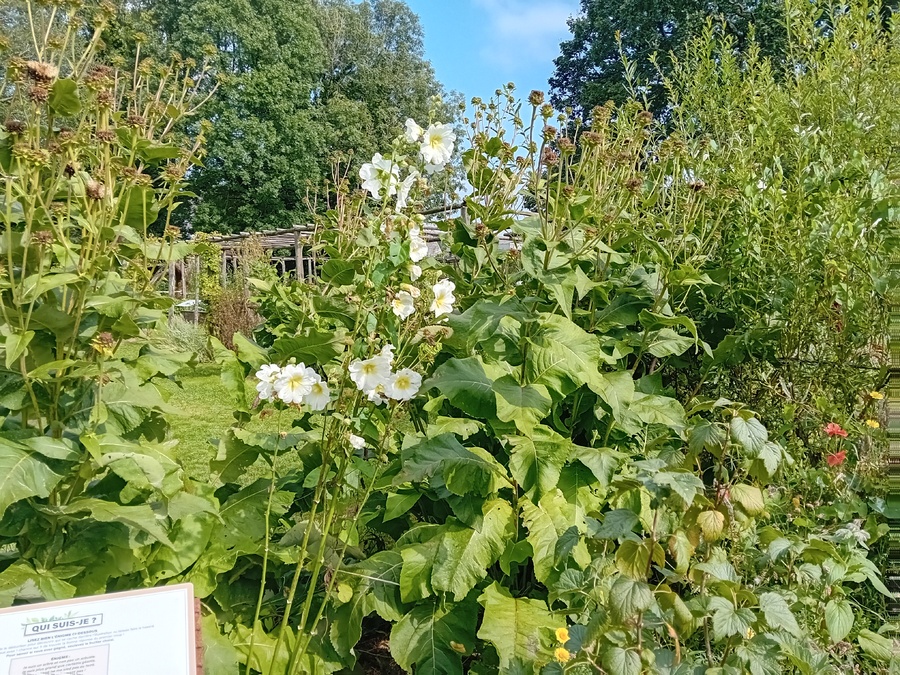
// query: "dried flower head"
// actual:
[[105, 98], [136, 120], [634, 184], [106, 135], [546, 111], [645, 117], [550, 132], [42, 238], [15, 126], [41, 72], [536, 98], [549, 157], [39, 93], [566, 146], [65, 135], [95, 189], [591, 139]]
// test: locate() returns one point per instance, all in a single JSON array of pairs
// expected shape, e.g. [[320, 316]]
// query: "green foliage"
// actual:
[[301, 85], [92, 498], [617, 48]]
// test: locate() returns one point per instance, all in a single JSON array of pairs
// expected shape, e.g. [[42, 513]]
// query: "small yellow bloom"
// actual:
[[750, 633], [876, 395], [562, 655], [457, 647], [873, 424], [562, 635]]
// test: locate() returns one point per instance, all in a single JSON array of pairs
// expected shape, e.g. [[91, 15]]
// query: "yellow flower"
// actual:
[[562, 655], [562, 635], [750, 633], [873, 424], [876, 395]]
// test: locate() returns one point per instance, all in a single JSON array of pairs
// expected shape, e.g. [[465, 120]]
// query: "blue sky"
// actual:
[[476, 46]]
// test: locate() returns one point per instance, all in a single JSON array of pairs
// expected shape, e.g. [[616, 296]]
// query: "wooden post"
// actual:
[[172, 290], [196, 290], [224, 268], [184, 287], [298, 256]]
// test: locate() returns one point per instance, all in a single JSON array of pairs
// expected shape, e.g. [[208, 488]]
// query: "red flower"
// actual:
[[837, 458], [834, 429]]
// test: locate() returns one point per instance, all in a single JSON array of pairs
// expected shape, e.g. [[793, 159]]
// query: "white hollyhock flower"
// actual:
[[412, 290], [405, 187], [431, 169], [404, 384], [377, 395], [413, 131], [437, 145], [415, 272], [387, 352], [403, 305], [443, 297], [380, 176], [357, 442], [295, 382], [369, 374], [418, 247], [267, 375], [319, 395]]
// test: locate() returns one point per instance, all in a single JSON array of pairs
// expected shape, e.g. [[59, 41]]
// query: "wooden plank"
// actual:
[[199, 633]]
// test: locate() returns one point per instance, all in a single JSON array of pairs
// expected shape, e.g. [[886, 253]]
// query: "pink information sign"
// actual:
[[146, 632]]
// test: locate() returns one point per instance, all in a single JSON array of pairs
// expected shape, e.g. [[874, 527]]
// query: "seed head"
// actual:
[[15, 126], [42, 238], [634, 184], [135, 120], [550, 133], [549, 157], [106, 135], [591, 139], [536, 98], [105, 98], [39, 93], [95, 190], [41, 72], [566, 146], [546, 111], [645, 117]]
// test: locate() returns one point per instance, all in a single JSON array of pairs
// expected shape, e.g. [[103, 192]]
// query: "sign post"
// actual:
[[145, 632]]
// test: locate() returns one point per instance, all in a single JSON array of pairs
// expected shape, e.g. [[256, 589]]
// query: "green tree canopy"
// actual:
[[590, 69], [303, 83]]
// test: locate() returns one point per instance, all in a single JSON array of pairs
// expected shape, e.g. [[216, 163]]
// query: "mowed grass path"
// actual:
[[205, 409]]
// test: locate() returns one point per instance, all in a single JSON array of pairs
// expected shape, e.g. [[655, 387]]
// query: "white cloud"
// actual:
[[525, 32]]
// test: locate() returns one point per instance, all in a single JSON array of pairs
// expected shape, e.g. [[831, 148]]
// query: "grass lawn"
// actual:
[[205, 413]]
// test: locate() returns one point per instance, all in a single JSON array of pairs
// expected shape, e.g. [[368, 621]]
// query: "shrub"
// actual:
[[185, 337], [91, 496]]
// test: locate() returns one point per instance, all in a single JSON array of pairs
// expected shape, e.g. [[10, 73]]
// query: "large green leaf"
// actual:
[[562, 356], [514, 625], [314, 347], [536, 460], [140, 517], [622, 661], [524, 406], [545, 521], [139, 208], [64, 98], [21, 582], [751, 434], [629, 597], [219, 655], [778, 613], [467, 385], [728, 620], [464, 470], [838, 618], [23, 474], [465, 554], [434, 636]]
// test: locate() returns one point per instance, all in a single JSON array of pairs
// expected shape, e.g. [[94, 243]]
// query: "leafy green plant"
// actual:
[[551, 500], [91, 497]]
